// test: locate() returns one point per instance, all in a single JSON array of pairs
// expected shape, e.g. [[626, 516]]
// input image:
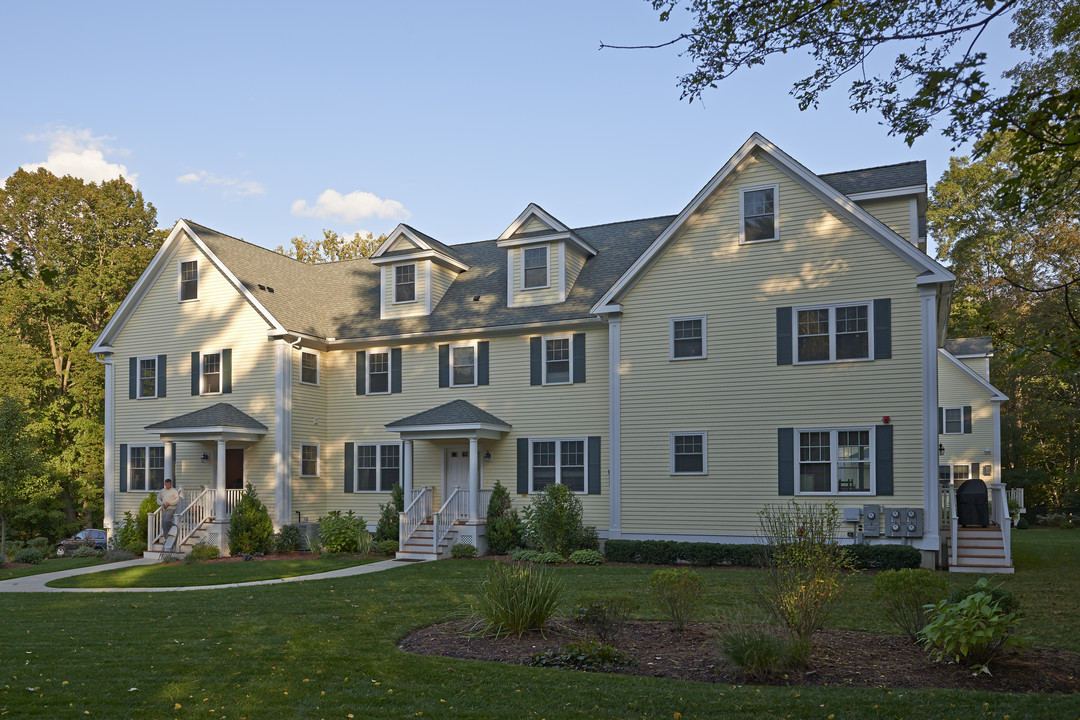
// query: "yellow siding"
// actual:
[[575, 260], [894, 212], [532, 411], [738, 395], [309, 423], [955, 389], [221, 318], [403, 243], [979, 365], [534, 225], [441, 279], [537, 296], [390, 309]]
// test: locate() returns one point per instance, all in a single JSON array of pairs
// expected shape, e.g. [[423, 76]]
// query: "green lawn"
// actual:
[[184, 574], [48, 566], [326, 649]]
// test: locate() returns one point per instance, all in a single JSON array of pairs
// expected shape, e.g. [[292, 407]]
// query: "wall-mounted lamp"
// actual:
[[205, 457], [940, 449], [988, 451], [487, 456]]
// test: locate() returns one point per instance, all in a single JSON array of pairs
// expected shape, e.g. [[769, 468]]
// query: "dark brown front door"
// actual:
[[234, 470]]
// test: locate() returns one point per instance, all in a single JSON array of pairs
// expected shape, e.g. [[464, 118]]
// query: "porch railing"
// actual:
[[1015, 495], [415, 513], [999, 513], [485, 498], [191, 518], [196, 507], [949, 518], [455, 509]]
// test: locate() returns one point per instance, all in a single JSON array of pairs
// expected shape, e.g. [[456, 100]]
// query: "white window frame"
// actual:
[[146, 468], [389, 371], [945, 420], [315, 355], [834, 459], [221, 372], [775, 187], [671, 338], [138, 377], [547, 267], [544, 360], [558, 462], [704, 452], [831, 308], [394, 281], [475, 368], [180, 281], [378, 466], [318, 459], [951, 471]]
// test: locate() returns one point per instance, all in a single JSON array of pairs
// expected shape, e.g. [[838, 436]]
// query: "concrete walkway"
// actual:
[[37, 583]]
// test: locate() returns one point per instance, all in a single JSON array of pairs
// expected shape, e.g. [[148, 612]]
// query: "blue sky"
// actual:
[[268, 120]]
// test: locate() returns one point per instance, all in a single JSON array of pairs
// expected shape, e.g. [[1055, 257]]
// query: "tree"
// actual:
[[938, 70], [332, 247], [20, 464], [69, 253]]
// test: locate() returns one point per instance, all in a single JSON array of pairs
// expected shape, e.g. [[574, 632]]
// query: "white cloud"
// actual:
[[349, 208], [231, 186], [79, 153]]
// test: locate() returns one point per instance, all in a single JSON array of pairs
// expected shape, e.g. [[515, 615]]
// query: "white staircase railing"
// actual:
[[485, 498], [198, 508], [999, 513], [198, 511], [455, 508], [415, 513], [949, 517]]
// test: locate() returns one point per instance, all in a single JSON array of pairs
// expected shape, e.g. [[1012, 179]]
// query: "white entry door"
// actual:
[[455, 469]]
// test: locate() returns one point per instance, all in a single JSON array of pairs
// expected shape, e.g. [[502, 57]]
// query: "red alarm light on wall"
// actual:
[[885, 419]]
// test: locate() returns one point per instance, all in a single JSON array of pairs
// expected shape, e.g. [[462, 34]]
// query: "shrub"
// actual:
[[586, 557], [365, 541], [28, 555], [677, 591], [341, 533], [669, 552], [201, 552], [127, 533], [591, 655], [903, 595], [463, 550], [386, 547], [885, 557], [604, 616], [1004, 599], [137, 548], [148, 505], [250, 528], [514, 599], [41, 544], [805, 568], [504, 529], [549, 558], [553, 521], [11, 547], [972, 631], [86, 551], [1022, 524], [390, 515], [288, 539], [117, 554], [525, 555], [757, 650]]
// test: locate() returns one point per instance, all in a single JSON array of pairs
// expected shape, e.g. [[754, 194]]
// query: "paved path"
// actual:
[[36, 583]]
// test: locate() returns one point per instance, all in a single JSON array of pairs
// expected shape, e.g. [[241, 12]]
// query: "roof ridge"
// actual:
[[247, 242], [872, 167]]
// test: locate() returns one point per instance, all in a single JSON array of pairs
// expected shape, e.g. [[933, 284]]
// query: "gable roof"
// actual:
[[456, 412], [901, 176], [218, 415], [426, 246], [970, 347]]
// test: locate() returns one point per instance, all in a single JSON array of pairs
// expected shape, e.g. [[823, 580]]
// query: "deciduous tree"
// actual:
[[332, 247], [21, 478]]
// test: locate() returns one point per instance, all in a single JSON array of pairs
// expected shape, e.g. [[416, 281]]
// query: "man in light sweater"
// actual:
[[168, 499]]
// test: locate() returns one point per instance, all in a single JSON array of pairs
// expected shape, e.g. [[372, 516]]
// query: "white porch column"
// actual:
[[406, 469], [110, 442], [169, 463], [283, 364], [474, 481], [219, 482], [928, 296]]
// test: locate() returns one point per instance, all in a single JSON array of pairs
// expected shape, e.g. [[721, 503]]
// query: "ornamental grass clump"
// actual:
[[677, 591], [515, 599], [904, 595], [759, 651]]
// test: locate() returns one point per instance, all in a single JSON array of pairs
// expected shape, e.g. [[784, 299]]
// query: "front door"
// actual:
[[234, 469], [455, 469]]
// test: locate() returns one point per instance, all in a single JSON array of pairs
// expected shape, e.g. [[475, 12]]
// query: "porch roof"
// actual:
[[455, 419], [221, 421]]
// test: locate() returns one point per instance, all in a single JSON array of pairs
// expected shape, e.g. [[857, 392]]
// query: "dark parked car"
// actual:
[[94, 538]]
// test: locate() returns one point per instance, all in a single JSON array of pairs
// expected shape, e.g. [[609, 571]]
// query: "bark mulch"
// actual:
[[839, 658]]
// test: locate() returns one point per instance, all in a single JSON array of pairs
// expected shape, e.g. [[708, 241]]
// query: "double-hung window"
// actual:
[[378, 467], [688, 338], [309, 368], [559, 461], [405, 283], [952, 420], [309, 461], [759, 216], [835, 461], [147, 383], [534, 268], [832, 333], [462, 365], [689, 451], [146, 467], [211, 373], [189, 280], [378, 372], [557, 360]]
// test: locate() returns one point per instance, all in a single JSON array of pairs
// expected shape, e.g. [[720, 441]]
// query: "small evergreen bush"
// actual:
[[604, 616], [289, 539], [677, 591], [390, 516], [340, 533], [462, 550], [586, 557], [972, 631], [1022, 524], [589, 656], [885, 557], [28, 555], [127, 533], [514, 599], [386, 547], [86, 551], [201, 552], [904, 594], [250, 528], [504, 529]]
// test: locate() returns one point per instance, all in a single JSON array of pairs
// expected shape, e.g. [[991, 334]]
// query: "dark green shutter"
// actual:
[[536, 358], [175, 484], [444, 365], [882, 329], [162, 375], [523, 466], [940, 420], [883, 459], [395, 370], [123, 467], [967, 419], [578, 349], [133, 373], [783, 336], [785, 466], [482, 362], [195, 371], [226, 371], [361, 371], [594, 465], [349, 467]]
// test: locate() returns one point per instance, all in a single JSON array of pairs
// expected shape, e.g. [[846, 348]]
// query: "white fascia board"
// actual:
[[995, 394], [547, 238], [213, 430], [458, 427], [490, 331], [542, 215], [889, 192], [392, 238], [429, 254]]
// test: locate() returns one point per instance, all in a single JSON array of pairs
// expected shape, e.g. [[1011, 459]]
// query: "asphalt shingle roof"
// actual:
[[219, 415], [456, 412], [969, 346], [878, 178]]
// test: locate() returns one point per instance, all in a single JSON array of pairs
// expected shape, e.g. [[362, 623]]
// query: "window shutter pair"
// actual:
[[482, 372], [226, 371], [883, 460], [882, 332], [941, 420], [592, 465], [161, 370], [536, 359], [395, 371]]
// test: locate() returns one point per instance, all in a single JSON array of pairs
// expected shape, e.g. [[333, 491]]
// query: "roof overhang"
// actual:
[[226, 433], [425, 250], [531, 239], [461, 431]]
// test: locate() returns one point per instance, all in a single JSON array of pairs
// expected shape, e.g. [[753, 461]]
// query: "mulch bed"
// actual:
[[840, 658]]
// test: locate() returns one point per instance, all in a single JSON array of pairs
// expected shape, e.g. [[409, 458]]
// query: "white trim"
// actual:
[[378, 466], [427, 287], [671, 338], [180, 280], [704, 452], [562, 271], [510, 275], [318, 368], [995, 394], [466, 448], [532, 209], [138, 377], [614, 428], [394, 283], [221, 373], [888, 192], [146, 467], [401, 230], [834, 459], [318, 459], [475, 364], [557, 237], [913, 220], [385, 274], [945, 419], [544, 361], [832, 308], [426, 250], [775, 187], [547, 266], [283, 417], [929, 313], [389, 370], [111, 487], [558, 466], [490, 331]]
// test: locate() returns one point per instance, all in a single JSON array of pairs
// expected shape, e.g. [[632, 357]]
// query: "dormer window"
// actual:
[[405, 283], [535, 268]]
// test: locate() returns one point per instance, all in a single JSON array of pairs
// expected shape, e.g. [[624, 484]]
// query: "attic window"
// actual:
[[405, 283], [759, 218], [535, 267]]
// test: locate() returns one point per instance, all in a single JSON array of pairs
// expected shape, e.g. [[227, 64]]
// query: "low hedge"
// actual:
[[670, 552]]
